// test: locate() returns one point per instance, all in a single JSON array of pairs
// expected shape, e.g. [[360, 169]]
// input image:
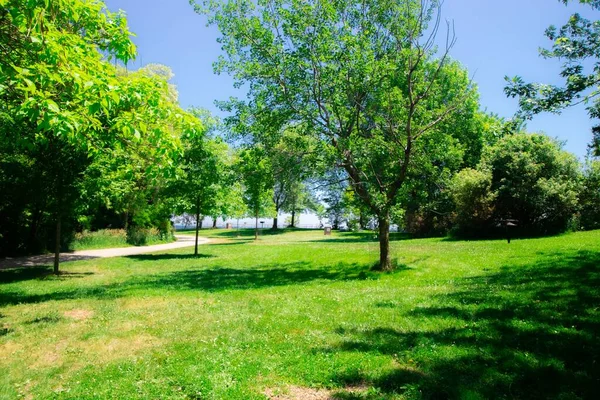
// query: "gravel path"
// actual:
[[48, 259]]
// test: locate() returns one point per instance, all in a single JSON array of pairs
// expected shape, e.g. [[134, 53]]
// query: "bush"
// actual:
[[104, 238], [138, 236], [526, 177], [474, 200]]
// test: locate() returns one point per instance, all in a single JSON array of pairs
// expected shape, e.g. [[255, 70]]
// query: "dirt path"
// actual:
[[48, 259]]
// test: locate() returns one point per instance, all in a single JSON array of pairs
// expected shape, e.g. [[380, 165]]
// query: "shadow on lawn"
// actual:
[[158, 257], [360, 237], [529, 331], [210, 280], [29, 273]]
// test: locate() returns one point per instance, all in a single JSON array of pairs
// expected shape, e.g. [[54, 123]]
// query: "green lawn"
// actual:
[[297, 310]]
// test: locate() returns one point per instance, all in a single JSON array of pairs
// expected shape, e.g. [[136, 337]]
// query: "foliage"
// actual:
[[138, 236], [428, 206], [79, 132], [577, 45], [101, 239]]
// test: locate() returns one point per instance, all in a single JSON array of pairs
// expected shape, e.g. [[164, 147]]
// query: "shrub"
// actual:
[[138, 236], [474, 202], [526, 177]]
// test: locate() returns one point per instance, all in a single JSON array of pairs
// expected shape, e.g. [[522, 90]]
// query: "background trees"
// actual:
[[75, 127]]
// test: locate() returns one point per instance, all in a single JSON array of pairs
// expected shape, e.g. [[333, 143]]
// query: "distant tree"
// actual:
[[298, 200], [235, 206], [359, 77], [577, 44], [257, 175], [290, 167]]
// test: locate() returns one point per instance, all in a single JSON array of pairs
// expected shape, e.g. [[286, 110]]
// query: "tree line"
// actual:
[[354, 111]]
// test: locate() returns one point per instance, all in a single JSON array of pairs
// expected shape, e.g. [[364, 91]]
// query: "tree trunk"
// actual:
[[256, 229], [33, 231], [361, 220], [293, 224], [385, 263], [57, 244], [215, 222], [197, 225]]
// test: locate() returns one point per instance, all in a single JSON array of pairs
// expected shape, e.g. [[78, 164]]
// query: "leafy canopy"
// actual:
[[577, 45]]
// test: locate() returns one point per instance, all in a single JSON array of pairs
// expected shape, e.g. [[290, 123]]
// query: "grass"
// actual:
[[109, 238], [299, 310]]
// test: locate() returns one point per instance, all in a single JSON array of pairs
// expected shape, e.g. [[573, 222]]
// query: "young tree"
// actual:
[[360, 77], [577, 45], [256, 172], [289, 158], [203, 171]]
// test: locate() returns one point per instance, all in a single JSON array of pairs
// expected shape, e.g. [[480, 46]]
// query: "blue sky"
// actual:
[[495, 38]]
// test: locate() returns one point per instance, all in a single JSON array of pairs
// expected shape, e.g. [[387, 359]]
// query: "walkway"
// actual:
[[48, 259]]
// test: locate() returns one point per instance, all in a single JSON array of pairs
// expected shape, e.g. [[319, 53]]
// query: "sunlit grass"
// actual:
[[457, 320]]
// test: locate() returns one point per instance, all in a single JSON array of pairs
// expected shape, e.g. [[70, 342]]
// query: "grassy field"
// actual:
[[298, 314]]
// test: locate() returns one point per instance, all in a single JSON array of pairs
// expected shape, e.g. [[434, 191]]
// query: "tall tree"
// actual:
[[577, 45], [363, 78]]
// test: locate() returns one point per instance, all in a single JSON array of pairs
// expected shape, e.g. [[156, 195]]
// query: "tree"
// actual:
[[576, 44], [360, 77], [203, 171], [256, 172], [474, 202], [290, 158], [589, 197]]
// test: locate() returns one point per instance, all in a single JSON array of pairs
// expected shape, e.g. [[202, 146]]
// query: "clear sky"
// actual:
[[495, 38]]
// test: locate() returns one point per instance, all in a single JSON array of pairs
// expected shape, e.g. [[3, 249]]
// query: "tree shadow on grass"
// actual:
[[214, 279], [158, 257], [31, 273], [528, 331], [360, 237]]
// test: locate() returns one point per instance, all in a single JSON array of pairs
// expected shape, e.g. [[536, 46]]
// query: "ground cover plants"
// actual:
[[297, 312]]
